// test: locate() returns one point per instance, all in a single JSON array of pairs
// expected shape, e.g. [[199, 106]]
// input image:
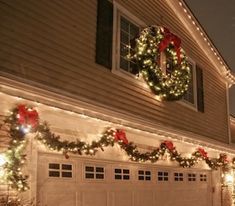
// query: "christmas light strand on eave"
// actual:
[[180, 138], [228, 75]]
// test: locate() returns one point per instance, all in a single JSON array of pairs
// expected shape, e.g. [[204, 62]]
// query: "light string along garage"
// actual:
[[24, 119], [162, 62]]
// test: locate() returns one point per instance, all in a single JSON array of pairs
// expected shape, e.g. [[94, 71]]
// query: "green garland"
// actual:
[[19, 120], [152, 41]]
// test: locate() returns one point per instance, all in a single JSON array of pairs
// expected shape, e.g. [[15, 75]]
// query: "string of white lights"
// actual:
[[228, 74], [120, 123]]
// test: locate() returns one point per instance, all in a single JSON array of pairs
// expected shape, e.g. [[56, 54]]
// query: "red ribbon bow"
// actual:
[[224, 158], [27, 116], [202, 152], [170, 38], [120, 135], [169, 145]]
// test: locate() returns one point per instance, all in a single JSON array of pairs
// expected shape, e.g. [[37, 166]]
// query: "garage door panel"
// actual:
[[123, 198], [59, 199], [91, 198], [143, 196]]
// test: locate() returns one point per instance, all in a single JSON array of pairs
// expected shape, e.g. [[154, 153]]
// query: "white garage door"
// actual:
[[87, 182]]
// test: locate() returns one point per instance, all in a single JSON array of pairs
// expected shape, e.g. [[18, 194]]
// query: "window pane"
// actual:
[[118, 171], [89, 169], [141, 172], [125, 171], [126, 177], [124, 24], [66, 174], [128, 33], [54, 166], [147, 172], [99, 169], [118, 177], [54, 174], [66, 167], [99, 176], [89, 175], [124, 64], [141, 177], [148, 178]]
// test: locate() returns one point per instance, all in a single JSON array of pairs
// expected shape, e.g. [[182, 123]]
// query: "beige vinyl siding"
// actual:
[[53, 43]]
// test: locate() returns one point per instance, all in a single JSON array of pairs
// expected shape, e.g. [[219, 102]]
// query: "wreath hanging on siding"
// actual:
[[153, 42]]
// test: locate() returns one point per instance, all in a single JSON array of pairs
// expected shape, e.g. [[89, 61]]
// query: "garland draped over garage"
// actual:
[[24, 119]]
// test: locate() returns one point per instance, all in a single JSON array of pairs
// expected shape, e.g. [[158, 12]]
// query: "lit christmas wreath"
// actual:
[[153, 43]]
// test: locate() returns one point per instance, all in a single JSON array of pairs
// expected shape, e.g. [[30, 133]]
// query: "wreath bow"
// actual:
[[27, 116], [170, 38], [121, 135]]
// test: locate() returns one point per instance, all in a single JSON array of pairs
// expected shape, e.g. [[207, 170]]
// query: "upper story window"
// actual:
[[116, 30]]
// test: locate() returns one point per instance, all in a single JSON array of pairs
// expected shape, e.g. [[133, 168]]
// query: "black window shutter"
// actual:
[[200, 92], [104, 33]]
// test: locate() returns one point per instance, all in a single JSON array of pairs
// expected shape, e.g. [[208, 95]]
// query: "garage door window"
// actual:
[[94, 172], [162, 176], [60, 170], [203, 177], [179, 176], [191, 177], [121, 174], [144, 175]]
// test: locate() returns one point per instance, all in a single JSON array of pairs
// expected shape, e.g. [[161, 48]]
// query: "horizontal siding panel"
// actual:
[[53, 43]]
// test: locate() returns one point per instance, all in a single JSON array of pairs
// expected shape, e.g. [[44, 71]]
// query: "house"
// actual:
[[66, 63]]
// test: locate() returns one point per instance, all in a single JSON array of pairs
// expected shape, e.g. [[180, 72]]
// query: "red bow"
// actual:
[[202, 152], [121, 135], [224, 158], [27, 116], [170, 38], [169, 145]]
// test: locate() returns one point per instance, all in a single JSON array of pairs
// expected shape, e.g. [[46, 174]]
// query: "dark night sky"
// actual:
[[217, 17]]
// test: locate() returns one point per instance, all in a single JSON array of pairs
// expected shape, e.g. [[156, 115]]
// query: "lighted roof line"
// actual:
[[203, 33], [212, 47]]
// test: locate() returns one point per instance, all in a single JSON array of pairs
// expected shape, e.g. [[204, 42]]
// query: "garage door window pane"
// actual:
[[54, 166], [66, 174], [54, 174]]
